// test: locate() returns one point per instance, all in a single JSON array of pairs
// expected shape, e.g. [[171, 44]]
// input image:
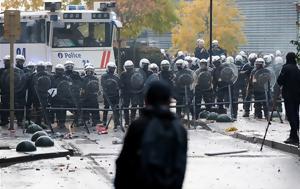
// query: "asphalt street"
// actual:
[[93, 165]]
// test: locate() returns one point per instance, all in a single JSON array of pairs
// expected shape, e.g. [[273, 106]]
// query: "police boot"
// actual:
[[246, 114]]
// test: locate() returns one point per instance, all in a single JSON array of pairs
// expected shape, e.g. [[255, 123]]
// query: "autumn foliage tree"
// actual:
[[194, 23], [25, 4], [137, 15]]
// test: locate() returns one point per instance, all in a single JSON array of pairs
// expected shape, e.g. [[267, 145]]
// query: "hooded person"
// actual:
[[154, 143], [289, 80]]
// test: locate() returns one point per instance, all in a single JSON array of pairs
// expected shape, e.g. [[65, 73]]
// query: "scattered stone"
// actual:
[[44, 141], [37, 169], [25, 146], [231, 129], [81, 158], [68, 157], [37, 134]]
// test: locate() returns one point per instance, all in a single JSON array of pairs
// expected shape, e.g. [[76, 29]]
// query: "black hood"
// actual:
[[160, 112]]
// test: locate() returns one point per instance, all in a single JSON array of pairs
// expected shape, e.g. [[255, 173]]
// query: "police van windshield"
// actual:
[[32, 31], [85, 34]]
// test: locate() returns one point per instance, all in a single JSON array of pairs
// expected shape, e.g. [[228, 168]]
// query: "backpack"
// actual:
[[163, 153]]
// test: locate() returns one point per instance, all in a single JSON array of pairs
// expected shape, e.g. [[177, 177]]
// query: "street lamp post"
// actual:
[[210, 31]]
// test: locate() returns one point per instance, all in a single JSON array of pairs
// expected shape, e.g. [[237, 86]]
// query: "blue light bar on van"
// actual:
[[100, 15], [76, 7], [72, 16]]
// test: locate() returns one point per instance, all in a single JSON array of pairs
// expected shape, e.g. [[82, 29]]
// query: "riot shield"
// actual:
[[229, 73], [263, 78], [184, 78], [137, 81], [92, 86], [110, 84], [204, 80]]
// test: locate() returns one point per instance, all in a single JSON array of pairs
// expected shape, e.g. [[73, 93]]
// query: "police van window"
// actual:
[[81, 35], [32, 31]]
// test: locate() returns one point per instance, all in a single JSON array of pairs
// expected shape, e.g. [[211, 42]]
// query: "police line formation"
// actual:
[[43, 95]]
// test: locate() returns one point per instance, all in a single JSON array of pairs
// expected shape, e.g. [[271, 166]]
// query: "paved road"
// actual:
[[94, 168]]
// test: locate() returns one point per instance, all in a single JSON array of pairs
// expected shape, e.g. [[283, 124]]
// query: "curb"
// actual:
[[252, 139]]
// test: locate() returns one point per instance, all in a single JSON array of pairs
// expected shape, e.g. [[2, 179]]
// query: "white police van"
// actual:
[[82, 36]]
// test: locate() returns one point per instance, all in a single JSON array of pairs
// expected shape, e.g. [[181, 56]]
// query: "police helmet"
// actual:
[[180, 53], [20, 57], [179, 63], [203, 61], [200, 41], [216, 58], [215, 42], [153, 67], [268, 59], [40, 63], [243, 54], [90, 68], [6, 57], [239, 58], [229, 60], [260, 61], [69, 62], [59, 66], [48, 63], [278, 53], [30, 64], [252, 56], [144, 61], [128, 64], [188, 58]]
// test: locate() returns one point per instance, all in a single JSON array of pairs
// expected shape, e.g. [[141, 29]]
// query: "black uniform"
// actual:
[[168, 77], [246, 72], [62, 99], [20, 93], [76, 87], [183, 81], [201, 53], [126, 93], [289, 79], [40, 83], [110, 83], [203, 89], [218, 51], [138, 80], [259, 94], [239, 86], [90, 98], [220, 88]]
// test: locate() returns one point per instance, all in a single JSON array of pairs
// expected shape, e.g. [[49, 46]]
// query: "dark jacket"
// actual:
[[201, 53], [127, 165], [289, 79]]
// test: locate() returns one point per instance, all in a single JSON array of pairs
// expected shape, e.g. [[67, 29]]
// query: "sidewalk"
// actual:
[[253, 130]]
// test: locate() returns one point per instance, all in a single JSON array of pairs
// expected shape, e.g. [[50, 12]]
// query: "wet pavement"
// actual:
[[93, 165]]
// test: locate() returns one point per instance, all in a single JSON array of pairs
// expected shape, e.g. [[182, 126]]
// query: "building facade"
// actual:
[[269, 25]]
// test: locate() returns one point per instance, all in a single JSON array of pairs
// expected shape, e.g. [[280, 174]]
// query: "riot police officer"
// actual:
[[268, 60], [258, 91], [216, 49], [20, 61], [200, 51], [30, 67], [138, 80], [49, 67], [203, 87], [59, 96], [246, 71], [166, 74], [126, 89], [219, 86], [76, 87], [20, 86], [110, 83], [89, 95], [38, 92], [239, 85], [182, 88]]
